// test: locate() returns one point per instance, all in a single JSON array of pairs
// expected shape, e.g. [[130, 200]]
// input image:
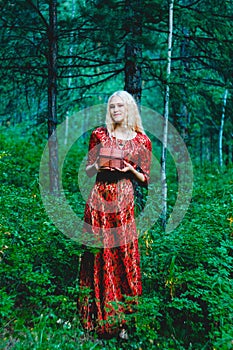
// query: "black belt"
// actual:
[[113, 176]]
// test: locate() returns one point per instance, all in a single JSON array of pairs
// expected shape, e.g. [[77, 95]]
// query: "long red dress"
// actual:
[[112, 271]]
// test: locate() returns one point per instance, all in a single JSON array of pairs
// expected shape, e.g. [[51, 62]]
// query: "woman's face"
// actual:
[[117, 110]]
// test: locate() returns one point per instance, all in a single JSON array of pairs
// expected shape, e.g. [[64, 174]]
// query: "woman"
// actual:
[[112, 272]]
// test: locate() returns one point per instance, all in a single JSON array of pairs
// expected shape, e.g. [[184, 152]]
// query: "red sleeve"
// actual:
[[145, 158], [94, 145]]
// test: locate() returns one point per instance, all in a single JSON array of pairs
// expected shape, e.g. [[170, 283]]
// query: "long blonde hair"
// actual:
[[133, 116]]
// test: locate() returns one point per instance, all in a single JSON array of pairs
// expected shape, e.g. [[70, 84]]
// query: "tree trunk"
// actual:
[[70, 74], [52, 98], [230, 153], [201, 146], [133, 81], [165, 126], [221, 127], [184, 115], [133, 51]]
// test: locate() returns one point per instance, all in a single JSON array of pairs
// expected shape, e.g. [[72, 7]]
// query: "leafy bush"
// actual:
[[191, 269], [187, 274]]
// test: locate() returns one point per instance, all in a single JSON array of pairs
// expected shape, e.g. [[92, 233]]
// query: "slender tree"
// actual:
[[52, 98], [184, 53], [221, 127], [166, 114]]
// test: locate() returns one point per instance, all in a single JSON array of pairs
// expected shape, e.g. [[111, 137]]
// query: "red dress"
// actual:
[[112, 271]]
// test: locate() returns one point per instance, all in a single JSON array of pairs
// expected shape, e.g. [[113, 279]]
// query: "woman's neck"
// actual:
[[121, 132]]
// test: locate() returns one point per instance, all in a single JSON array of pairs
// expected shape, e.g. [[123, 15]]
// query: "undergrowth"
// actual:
[[187, 274]]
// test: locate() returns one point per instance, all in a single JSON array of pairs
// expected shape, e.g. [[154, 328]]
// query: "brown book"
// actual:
[[111, 158]]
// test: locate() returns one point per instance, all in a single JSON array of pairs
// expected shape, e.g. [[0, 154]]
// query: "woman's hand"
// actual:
[[92, 169], [129, 167]]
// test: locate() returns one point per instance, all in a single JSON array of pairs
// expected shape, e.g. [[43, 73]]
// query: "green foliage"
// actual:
[[187, 274], [37, 260], [191, 268]]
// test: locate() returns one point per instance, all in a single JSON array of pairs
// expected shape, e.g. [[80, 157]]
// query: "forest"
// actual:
[[59, 63]]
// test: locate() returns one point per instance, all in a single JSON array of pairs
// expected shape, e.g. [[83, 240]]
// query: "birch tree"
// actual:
[[221, 127], [166, 114]]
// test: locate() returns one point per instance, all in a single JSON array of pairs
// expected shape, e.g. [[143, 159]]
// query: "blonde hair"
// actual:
[[133, 116]]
